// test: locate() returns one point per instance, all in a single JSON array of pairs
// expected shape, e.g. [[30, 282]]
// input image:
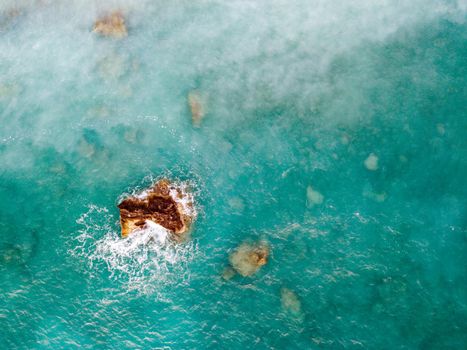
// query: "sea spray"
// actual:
[[147, 261]]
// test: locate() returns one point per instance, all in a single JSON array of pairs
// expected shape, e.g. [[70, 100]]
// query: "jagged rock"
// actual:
[[161, 204], [196, 104], [247, 259], [112, 25]]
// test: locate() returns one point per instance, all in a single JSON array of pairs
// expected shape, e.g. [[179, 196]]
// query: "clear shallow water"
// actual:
[[299, 94]]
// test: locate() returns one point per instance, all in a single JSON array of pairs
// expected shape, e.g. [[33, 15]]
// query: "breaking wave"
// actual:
[[145, 262]]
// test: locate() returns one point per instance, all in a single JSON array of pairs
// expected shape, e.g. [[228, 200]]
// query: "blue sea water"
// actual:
[[335, 131]]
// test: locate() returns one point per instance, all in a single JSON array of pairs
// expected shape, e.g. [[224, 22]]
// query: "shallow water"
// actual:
[[335, 131]]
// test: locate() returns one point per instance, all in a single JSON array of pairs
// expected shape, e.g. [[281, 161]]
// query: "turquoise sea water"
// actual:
[[298, 95]]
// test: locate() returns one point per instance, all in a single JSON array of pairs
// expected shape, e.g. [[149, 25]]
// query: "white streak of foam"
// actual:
[[142, 195], [146, 261]]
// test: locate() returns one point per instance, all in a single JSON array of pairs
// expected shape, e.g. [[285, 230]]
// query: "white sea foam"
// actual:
[[146, 261], [296, 37], [244, 54], [184, 197]]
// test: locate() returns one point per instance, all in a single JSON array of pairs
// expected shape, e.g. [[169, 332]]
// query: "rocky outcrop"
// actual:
[[247, 259], [164, 204], [111, 25]]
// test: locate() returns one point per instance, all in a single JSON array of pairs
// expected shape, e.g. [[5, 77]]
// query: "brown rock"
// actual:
[[112, 25], [159, 204], [247, 259]]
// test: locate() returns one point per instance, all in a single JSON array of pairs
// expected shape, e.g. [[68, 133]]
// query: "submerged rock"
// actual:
[[441, 129], [376, 196], [11, 255], [291, 303], [228, 273], [113, 67], [9, 91], [8, 15], [313, 196], [196, 104], [164, 204], [112, 25], [132, 135], [90, 145], [247, 259], [371, 162]]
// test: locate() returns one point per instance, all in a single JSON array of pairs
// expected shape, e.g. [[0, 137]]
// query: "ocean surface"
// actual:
[[335, 131]]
